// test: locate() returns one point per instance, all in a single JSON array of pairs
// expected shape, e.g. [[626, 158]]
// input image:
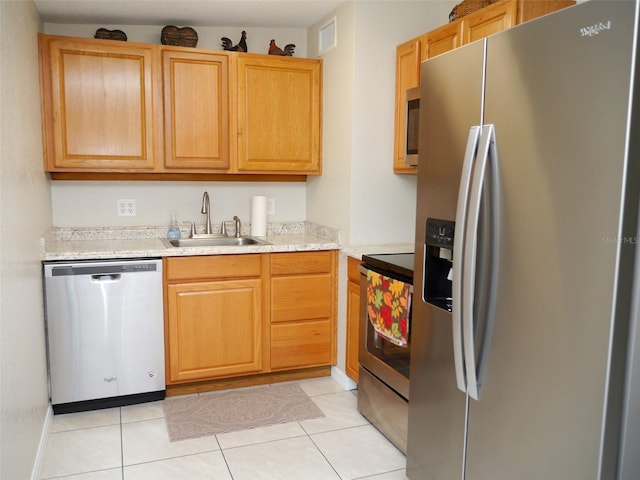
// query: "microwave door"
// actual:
[[412, 127]]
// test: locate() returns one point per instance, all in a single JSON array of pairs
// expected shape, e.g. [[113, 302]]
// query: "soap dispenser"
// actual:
[[174, 230]]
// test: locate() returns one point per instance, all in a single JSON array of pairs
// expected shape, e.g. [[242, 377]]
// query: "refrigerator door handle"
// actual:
[[487, 139], [458, 255]]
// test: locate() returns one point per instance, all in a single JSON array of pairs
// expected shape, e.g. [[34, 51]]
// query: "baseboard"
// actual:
[[42, 446], [342, 378], [247, 381]]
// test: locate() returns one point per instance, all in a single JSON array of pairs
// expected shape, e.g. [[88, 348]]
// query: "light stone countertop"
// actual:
[[105, 243], [68, 244]]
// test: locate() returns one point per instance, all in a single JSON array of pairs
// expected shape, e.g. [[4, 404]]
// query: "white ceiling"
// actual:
[[242, 13]]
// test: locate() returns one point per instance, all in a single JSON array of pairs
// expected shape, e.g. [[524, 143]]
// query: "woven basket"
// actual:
[[467, 7], [104, 34], [181, 37]]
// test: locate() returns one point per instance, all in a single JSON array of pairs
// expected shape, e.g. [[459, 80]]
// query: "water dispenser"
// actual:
[[438, 258]]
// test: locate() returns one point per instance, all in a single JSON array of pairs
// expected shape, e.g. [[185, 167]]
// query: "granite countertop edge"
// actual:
[[69, 244], [60, 244]]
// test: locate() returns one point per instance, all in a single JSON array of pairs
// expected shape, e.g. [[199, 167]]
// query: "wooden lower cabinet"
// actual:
[[239, 315], [353, 318], [215, 323], [303, 309]]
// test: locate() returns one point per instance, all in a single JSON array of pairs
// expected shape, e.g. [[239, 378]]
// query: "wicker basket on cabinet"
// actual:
[[468, 6]]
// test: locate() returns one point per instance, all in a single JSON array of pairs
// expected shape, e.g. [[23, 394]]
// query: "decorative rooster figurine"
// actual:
[[240, 47], [276, 50]]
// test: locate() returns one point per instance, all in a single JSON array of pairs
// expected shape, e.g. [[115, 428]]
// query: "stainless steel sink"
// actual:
[[213, 242]]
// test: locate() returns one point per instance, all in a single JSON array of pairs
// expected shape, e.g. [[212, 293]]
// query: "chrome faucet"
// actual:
[[238, 225], [206, 209]]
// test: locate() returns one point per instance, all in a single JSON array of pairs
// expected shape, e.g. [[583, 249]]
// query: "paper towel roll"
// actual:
[[258, 216]]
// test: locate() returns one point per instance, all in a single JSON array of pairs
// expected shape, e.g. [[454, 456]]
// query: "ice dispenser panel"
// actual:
[[438, 256]]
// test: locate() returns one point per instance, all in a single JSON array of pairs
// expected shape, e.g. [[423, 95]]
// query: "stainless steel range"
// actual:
[[383, 388]]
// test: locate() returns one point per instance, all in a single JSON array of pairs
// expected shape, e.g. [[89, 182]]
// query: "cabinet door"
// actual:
[[214, 329], [489, 20], [440, 40], [279, 109], [353, 319], [530, 9], [98, 104], [407, 76], [196, 110]]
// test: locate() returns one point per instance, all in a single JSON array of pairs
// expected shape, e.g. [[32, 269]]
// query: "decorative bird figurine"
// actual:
[[227, 44], [276, 50]]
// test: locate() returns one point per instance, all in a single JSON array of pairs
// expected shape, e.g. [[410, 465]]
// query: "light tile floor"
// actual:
[[131, 443]]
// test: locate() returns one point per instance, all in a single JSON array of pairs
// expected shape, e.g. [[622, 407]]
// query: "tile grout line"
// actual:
[[121, 445], [322, 453]]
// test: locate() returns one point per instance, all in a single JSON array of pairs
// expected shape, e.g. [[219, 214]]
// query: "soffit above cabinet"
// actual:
[[248, 13]]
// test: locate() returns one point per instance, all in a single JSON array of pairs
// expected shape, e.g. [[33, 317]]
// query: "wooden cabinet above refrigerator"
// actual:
[[492, 19]]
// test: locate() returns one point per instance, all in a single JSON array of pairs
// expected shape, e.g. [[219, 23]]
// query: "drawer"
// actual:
[[353, 274], [301, 262], [302, 344], [212, 266], [303, 297]]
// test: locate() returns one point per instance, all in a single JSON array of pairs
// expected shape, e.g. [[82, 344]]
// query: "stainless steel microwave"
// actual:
[[412, 127]]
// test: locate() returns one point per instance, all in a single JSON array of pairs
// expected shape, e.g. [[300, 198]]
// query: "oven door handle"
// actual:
[[363, 270]]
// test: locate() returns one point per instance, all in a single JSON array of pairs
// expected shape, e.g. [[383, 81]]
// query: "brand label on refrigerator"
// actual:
[[592, 30]]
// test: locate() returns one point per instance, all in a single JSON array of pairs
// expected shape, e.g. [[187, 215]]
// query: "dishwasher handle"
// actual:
[[109, 277], [98, 269]]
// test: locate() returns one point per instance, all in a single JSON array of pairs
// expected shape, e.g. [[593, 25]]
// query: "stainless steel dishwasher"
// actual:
[[105, 333]]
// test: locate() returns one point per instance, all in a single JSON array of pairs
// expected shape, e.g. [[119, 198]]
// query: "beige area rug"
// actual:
[[211, 413]]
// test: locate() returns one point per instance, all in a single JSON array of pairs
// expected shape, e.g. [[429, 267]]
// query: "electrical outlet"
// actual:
[[127, 207], [271, 206]]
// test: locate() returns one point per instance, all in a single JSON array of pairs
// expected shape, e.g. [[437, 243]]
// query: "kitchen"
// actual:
[[357, 149], [435, 250]]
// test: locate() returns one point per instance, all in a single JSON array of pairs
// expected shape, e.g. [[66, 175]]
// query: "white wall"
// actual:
[[94, 204], [328, 197], [358, 191], [25, 213], [208, 37]]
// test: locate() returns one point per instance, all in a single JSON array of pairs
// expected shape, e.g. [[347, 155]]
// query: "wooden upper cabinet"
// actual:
[[440, 40], [492, 19], [279, 114], [489, 20], [98, 105], [121, 107], [196, 110], [407, 76]]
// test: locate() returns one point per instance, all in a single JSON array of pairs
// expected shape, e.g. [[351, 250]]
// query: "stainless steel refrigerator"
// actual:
[[525, 355]]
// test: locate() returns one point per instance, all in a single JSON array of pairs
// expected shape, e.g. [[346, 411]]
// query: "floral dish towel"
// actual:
[[389, 307]]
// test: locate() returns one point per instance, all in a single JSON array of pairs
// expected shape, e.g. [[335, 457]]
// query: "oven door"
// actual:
[[383, 359]]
